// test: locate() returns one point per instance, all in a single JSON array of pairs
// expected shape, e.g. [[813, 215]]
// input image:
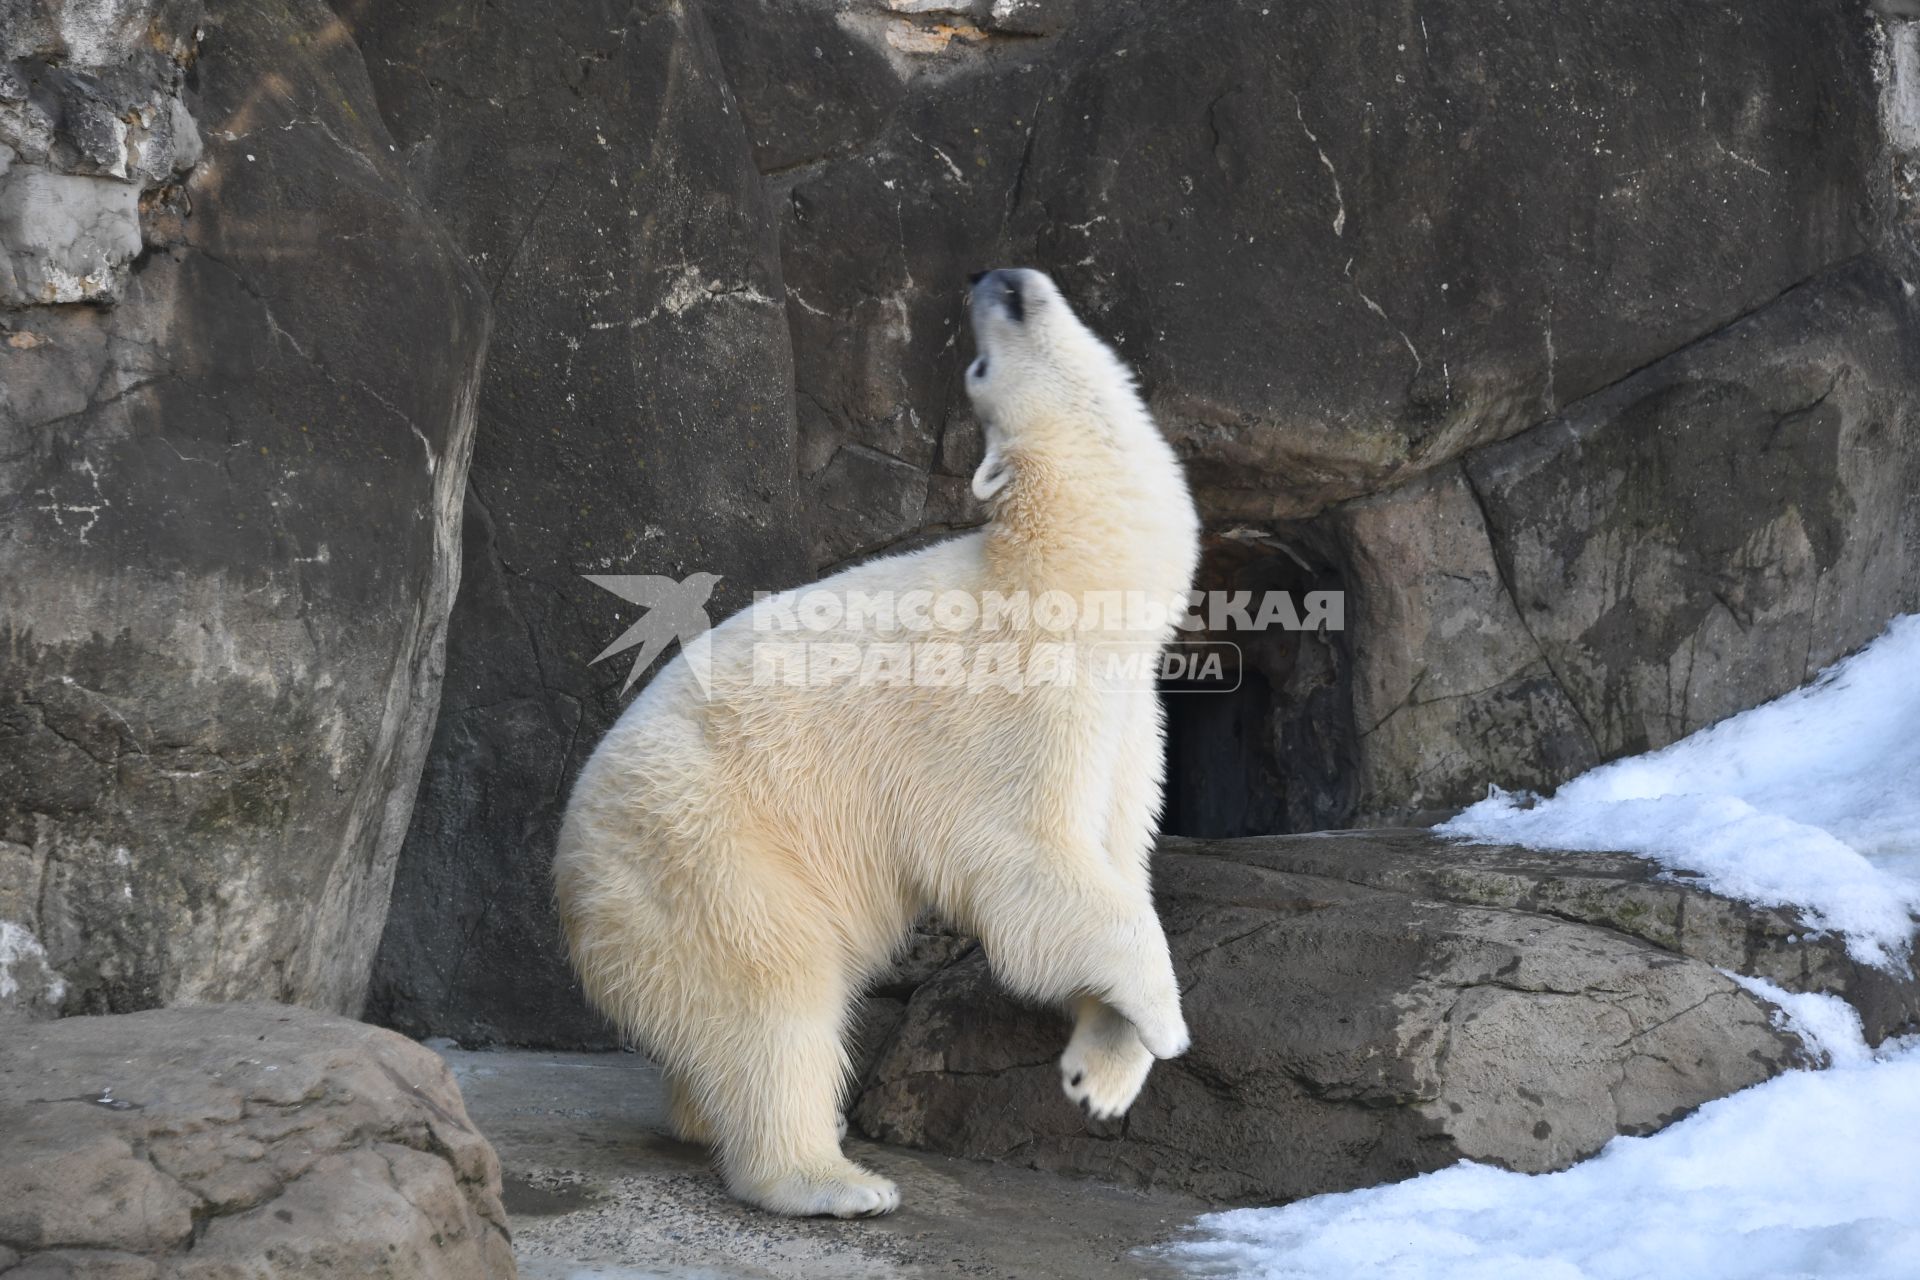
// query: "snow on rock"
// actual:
[[1809, 1175], [1811, 801], [1825, 1022]]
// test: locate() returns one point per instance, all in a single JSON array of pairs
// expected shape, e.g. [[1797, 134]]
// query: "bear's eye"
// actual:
[[1016, 306], [979, 369]]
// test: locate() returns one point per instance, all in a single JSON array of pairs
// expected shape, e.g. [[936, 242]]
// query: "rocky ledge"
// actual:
[[226, 1141], [1367, 1006]]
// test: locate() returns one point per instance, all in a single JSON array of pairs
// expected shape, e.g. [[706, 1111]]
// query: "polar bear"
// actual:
[[737, 860]]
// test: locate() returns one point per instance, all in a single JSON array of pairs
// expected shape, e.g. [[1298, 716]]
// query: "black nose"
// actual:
[[975, 277]]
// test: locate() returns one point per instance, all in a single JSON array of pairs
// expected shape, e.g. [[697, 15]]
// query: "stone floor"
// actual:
[[596, 1189]]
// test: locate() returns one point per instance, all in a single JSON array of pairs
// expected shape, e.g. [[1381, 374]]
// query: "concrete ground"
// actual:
[[597, 1189]]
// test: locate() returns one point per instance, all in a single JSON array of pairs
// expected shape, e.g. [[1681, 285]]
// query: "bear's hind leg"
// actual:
[[686, 1117], [777, 1123]]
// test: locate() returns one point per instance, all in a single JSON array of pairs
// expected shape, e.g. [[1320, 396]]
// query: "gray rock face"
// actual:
[[1369, 1007], [1300, 223], [1699, 538], [1711, 532], [636, 418], [229, 529], [240, 1140], [1450, 691]]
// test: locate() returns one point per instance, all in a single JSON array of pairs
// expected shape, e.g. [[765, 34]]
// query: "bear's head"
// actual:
[[1040, 379]]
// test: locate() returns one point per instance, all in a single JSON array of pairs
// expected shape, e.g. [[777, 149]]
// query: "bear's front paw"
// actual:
[[1104, 1069]]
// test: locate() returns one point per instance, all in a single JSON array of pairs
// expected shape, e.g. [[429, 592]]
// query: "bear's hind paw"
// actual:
[[847, 1192]]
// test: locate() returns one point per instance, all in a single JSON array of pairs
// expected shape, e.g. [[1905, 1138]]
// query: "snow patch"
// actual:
[[1809, 1175], [1811, 801]]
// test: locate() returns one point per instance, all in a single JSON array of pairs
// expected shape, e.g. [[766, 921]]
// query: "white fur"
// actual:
[[734, 867]]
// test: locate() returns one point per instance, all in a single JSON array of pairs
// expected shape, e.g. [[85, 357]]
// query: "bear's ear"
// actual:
[[993, 474]]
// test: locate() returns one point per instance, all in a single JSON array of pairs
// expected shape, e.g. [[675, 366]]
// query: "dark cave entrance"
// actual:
[[1267, 747]]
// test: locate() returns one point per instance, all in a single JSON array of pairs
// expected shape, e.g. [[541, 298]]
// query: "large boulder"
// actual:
[[221, 1141], [1368, 1007], [232, 489], [636, 417]]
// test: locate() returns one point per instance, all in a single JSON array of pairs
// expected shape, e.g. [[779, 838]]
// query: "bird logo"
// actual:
[[674, 611]]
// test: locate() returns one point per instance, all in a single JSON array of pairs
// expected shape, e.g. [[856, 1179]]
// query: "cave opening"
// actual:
[[1266, 745]]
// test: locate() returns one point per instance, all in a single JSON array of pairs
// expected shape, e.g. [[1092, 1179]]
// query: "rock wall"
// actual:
[[237, 375], [1454, 309], [1341, 243], [636, 417]]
